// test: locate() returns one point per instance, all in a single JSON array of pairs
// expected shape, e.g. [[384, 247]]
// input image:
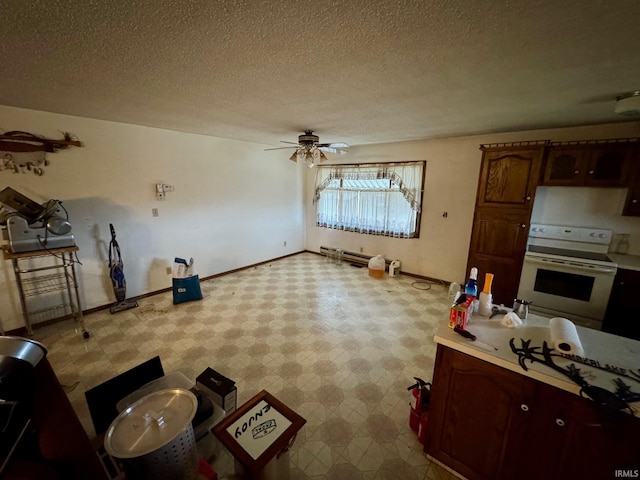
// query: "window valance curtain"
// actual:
[[407, 177], [378, 199]]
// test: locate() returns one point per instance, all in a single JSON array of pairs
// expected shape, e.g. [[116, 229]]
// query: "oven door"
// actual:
[[567, 288]]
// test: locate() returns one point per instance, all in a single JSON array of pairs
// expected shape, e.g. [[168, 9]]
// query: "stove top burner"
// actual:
[[563, 252]]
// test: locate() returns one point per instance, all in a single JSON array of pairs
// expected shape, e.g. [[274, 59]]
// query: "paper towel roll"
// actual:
[[564, 336]]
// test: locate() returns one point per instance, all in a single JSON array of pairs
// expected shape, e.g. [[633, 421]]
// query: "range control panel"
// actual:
[[572, 234]]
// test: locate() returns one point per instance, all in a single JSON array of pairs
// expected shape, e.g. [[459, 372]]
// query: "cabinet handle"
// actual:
[[634, 201], [528, 197], [524, 407], [576, 172], [590, 172], [559, 422], [523, 225]]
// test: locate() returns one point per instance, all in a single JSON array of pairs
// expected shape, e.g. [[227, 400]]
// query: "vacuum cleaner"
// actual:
[[116, 273]]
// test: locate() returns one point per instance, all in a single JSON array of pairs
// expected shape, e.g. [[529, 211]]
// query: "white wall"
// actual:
[[234, 204], [452, 171], [590, 207]]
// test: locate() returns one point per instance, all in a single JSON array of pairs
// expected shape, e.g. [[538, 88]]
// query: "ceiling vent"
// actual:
[[628, 103]]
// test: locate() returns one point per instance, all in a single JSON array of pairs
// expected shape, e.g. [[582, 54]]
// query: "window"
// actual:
[[377, 199]]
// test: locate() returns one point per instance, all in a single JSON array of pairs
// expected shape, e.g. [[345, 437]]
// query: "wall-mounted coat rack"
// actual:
[[28, 151]]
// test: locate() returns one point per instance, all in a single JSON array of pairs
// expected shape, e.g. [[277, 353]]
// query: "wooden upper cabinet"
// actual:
[[508, 177], [609, 165], [596, 165], [565, 166]]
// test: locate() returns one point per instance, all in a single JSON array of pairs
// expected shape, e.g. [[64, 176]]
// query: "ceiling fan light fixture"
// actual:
[[310, 151], [310, 156], [628, 103]]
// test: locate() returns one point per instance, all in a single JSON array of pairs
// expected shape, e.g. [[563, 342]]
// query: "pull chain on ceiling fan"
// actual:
[[310, 150]]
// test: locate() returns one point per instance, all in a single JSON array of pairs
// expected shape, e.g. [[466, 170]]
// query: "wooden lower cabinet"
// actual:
[[486, 422], [498, 244]]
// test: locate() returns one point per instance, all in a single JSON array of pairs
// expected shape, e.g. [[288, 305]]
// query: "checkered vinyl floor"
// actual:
[[337, 346]]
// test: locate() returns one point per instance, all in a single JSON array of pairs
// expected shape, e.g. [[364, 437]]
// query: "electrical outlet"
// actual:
[[284, 244], [361, 250], [154, 212], [160, 191], [169, 271]]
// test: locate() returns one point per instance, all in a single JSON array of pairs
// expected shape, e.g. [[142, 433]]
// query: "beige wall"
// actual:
[[452, 172], [234, 204]]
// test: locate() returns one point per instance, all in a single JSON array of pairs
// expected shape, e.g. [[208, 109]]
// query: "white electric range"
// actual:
[[567, 273]]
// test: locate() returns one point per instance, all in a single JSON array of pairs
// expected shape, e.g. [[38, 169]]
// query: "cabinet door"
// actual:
[[478, 415], [623, 312], [609, 166], [565, 166], [632, 204], [508, 178], [583, 440], [498, 243]]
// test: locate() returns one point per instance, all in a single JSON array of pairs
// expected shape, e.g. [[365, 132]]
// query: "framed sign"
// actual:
[[259, 430]]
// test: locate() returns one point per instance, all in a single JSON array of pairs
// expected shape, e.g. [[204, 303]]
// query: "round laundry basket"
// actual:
[[153, 437]]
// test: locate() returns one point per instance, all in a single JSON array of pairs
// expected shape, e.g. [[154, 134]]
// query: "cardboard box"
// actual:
[[220, 389], [460, 314]]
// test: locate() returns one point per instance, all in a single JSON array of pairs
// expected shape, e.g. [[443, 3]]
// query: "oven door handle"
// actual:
[[575, 266]]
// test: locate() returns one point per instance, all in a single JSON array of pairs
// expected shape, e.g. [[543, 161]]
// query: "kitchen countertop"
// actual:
[[626, 262], [601, 347]]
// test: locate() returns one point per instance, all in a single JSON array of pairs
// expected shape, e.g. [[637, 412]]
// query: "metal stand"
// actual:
[[60, 275]]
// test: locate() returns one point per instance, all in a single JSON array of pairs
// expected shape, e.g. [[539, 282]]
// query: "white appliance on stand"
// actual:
[[567, 273]]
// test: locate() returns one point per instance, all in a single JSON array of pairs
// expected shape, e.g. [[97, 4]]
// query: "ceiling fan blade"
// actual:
[[292, 143], [280, 148], [334, 145], [332, 150]]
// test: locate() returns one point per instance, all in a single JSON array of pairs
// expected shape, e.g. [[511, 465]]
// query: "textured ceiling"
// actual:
[[357, 71]]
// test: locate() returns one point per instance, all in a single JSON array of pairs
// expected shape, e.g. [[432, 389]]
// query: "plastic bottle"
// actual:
[[454, 291], [394, 268], [486, 299], [376, 266], [471, 288]]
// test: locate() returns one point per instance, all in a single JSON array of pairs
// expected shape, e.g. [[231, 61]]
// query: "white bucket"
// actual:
[[394, 268]]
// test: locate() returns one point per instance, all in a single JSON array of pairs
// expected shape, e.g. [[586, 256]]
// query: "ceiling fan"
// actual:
[[310, 150]]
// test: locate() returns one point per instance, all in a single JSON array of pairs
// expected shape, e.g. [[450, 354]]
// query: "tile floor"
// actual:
[[334, 344]]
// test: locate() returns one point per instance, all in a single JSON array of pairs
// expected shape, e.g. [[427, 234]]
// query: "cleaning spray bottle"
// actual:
[[471, 288], [486, 300]]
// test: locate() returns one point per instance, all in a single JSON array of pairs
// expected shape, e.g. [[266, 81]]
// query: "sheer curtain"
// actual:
[[378, 199]]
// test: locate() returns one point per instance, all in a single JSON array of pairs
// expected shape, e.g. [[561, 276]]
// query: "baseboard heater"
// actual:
[[351, 257]]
